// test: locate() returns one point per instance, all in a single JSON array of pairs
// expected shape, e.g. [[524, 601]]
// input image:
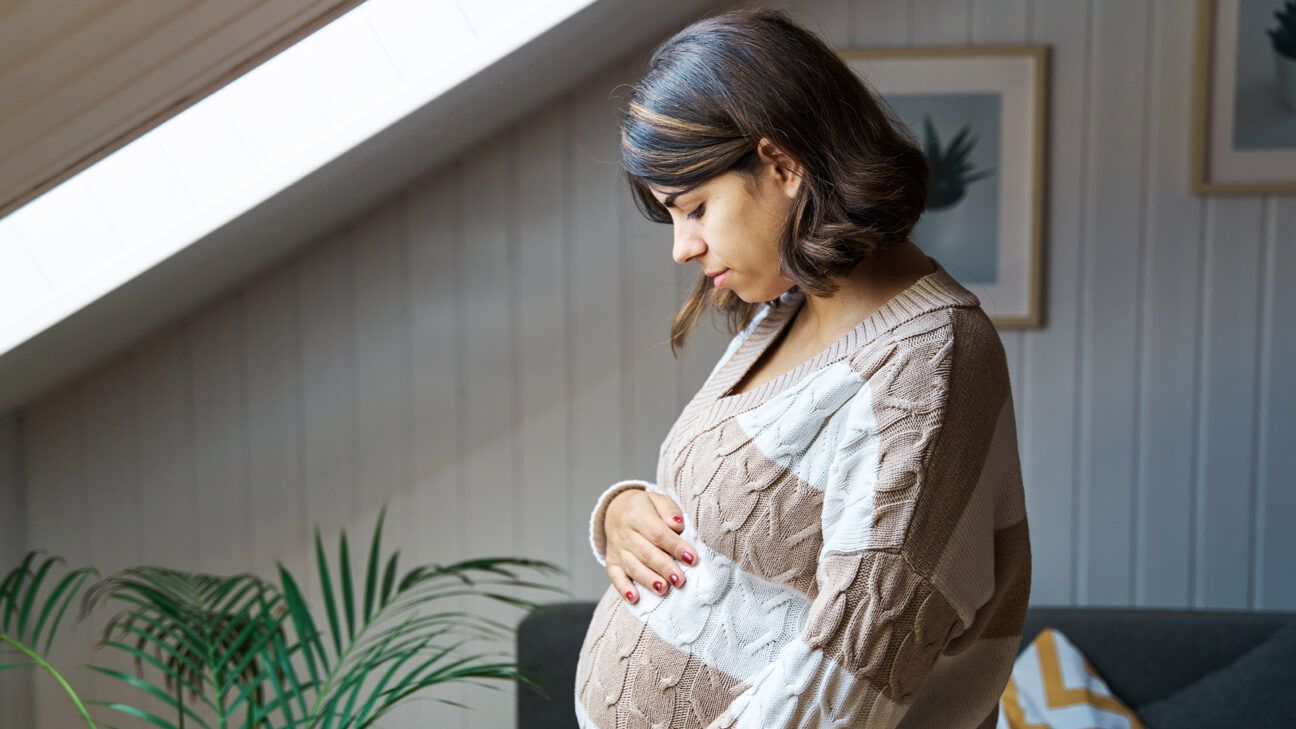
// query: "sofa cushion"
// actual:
[[1147, 654], [1054, 685], [1255, 691]]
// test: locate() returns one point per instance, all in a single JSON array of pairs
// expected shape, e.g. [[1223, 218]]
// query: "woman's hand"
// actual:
[[643, 543]]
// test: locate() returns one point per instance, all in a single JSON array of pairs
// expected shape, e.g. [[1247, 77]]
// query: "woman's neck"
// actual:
[[872, 283]]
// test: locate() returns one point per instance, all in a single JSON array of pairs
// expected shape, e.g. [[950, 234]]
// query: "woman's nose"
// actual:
[[686, 247]]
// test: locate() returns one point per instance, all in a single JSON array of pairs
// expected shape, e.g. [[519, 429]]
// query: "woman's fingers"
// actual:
[[643, 544], [623, 584], [635, 570], [668, 510], [670, 541], [658, 564]]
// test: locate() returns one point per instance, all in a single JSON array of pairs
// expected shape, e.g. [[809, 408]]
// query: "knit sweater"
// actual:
[[860, 524]]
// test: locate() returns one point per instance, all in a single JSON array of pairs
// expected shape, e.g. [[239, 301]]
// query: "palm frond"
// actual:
[[20, 603], [199, 632], [388, 635]]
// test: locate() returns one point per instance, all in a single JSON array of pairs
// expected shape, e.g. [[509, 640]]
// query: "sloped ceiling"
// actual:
[[79, 78], [378, 144]]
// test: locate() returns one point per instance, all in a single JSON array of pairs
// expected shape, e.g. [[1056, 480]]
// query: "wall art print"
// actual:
[[978, 113], [1244, 98]]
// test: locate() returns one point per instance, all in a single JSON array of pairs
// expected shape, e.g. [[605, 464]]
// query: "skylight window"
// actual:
[[244, 143]]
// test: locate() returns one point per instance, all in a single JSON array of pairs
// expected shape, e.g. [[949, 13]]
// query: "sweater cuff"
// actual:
[[597, 537]]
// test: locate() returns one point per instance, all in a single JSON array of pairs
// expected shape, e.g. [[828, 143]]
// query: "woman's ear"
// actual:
[[786, 171]]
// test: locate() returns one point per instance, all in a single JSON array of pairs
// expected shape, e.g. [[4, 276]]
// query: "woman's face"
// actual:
[[724, 226]]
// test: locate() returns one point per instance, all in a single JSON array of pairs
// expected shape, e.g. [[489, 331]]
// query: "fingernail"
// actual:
[[674, 578], [679, 519], [688, 557], [657, 585], [629, 595]]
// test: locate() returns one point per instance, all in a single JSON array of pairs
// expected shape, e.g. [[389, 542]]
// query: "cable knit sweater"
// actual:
[[860, 523]]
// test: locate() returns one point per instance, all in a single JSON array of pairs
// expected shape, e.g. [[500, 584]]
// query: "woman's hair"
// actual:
[[715, 88]]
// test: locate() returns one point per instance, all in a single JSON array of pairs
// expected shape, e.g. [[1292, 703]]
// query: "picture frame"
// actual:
[[979, 114], [1243, 133]]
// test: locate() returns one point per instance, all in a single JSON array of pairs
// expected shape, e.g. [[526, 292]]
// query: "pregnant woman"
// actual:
[[836, 535]]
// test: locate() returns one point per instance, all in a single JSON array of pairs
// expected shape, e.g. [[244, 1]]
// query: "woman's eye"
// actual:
[[697, 212]]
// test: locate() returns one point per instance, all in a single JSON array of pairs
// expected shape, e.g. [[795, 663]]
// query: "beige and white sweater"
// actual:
[[864, 558]]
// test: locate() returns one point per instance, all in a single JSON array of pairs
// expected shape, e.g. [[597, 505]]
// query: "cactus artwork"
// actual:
[[950, 173], [1284, 36], [977, 117], [1283, 39]]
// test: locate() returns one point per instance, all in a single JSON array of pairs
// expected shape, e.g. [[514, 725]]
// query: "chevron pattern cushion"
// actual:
[[1053, 686]]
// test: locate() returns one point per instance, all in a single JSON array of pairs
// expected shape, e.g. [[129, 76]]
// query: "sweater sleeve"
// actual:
[[876, 625], [597, 537]]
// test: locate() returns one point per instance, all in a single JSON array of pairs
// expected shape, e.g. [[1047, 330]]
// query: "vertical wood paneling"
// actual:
[[1049, 418], [1276, 459], [881, 23], [221, 487], [273, 432], [488, 350], [829, 19], [327, 407], [165, 493], [380, 377], [1226, 453], [53, 473], [168, 519], [941, 22], [489, 485], [1108, 355], [111, 450], [597, 407], [16, 687], [433, 208], [381, 385], [541, 272], [1168, 335]]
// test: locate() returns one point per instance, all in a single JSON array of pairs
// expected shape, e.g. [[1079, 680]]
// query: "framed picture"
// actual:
[[1244, 97], [978, 113]]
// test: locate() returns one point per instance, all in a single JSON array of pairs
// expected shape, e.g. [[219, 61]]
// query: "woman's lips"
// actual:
[[719, 280]]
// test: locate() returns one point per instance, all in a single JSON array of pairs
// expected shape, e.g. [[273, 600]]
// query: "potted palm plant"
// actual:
[[241, 651]]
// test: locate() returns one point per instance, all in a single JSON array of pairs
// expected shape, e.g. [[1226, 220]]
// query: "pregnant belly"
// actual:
[[626, 670]]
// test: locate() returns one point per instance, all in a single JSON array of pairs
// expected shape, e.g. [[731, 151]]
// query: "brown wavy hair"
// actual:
[[715, 88]]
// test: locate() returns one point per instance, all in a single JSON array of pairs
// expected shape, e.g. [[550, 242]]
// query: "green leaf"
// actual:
[[371, 574], [326, 587], [151, 690], [348, 592]]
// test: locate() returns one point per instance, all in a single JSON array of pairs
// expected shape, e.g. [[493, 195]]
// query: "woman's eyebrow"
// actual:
[[670, 199]]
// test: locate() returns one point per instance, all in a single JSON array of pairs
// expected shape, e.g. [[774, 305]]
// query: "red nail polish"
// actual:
[[657, 585], [687, 557], [629, 595], [674, 578], [679, 519]]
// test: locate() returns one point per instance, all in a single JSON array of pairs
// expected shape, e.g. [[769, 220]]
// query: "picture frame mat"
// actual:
[[1217, 168], [916, 70]]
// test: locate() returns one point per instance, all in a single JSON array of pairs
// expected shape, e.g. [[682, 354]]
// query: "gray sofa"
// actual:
[[1143, 654]]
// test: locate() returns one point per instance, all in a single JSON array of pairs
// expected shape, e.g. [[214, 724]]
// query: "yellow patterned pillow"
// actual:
[[1053, 686]]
